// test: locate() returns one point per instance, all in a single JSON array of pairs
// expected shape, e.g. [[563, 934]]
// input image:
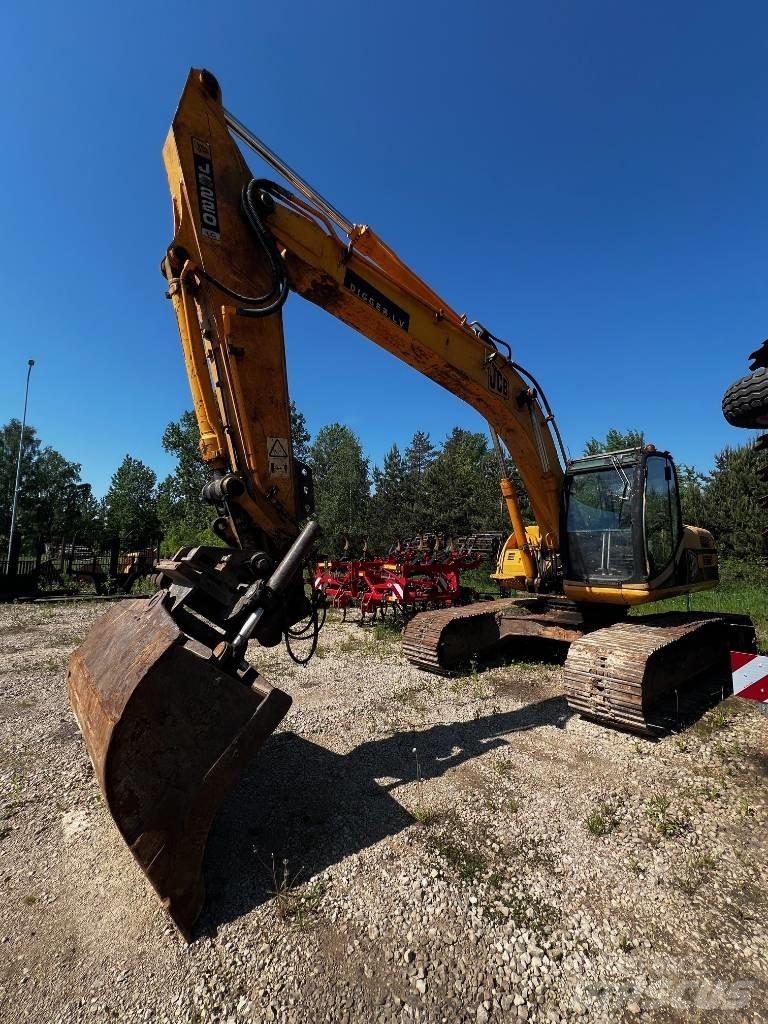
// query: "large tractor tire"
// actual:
[[745, 403]]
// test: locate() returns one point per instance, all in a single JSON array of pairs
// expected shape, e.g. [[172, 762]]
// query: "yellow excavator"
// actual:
[[169, 707]]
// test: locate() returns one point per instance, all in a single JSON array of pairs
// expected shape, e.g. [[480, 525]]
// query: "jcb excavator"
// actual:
[[167, 703]]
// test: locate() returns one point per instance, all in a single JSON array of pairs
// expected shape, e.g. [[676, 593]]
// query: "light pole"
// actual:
[[30, 364]]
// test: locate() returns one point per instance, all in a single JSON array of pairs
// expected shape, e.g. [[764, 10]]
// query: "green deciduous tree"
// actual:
[[731, 505], [692, 485], [53, 500], [615, 441], [300, 436], [184, 516]]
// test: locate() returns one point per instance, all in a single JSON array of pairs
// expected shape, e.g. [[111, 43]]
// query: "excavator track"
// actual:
[[442, 641], [643, 674], [436, 641]]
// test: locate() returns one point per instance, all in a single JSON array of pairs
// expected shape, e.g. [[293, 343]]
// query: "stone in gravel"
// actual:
[[421, 985], [482, 1015], [409, 956], [633, 1007]]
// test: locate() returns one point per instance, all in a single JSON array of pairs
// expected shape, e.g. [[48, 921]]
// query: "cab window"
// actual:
[[662, 513], [599, 524]]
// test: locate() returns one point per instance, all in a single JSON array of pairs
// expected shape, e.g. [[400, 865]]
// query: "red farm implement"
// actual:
[[401, 585]]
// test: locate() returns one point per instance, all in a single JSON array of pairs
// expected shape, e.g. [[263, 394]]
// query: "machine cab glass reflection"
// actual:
[[622, 517]]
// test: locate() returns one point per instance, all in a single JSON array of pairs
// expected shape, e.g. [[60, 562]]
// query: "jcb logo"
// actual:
[[497, 382]]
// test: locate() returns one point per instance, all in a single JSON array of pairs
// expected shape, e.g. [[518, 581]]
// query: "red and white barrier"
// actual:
[[750, 676]]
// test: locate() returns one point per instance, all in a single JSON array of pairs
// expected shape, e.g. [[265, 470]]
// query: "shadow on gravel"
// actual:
[[305, 803]]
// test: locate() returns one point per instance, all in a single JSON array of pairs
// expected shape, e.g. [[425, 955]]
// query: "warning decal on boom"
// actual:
[[277, 455]]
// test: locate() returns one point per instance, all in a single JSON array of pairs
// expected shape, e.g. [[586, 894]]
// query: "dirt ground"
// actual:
[[405, 848]]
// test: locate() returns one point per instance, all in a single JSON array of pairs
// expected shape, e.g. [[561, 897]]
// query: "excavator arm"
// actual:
[[237, 238]]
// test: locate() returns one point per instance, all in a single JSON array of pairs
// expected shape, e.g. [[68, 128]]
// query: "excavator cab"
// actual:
[[624, 538]]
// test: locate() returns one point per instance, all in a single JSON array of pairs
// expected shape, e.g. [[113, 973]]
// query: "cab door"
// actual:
[[662, 521]]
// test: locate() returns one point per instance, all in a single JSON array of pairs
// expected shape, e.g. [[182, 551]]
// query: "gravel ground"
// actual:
[[405, 848]]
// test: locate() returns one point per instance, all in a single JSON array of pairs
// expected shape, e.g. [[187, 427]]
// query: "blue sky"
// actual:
[[588, 179]]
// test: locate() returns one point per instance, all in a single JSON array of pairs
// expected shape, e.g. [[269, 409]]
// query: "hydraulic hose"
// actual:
[[273, 300]]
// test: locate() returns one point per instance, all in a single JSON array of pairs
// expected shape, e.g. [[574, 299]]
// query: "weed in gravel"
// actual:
[[523, 911], [293, 903], [657, 809], [503, 766], [695, 870], [29, 899], [320, 653], [411, 697], [626, 945], [467, 863], [634, 866], [426, 815], [713, 722], [472, 683], [601, 821], [745, 807]]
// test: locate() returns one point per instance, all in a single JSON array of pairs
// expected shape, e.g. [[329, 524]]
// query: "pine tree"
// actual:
[[342, 487], [462, 486], [390, 519], [131, 503], [418, 457]]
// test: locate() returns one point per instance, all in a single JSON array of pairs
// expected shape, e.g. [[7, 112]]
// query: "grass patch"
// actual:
[[714, 722], [465, 862], [695, 871], [472, 684], [387, 632], [480, 579]]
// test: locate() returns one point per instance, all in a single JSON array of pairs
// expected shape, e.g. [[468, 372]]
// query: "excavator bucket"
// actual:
[[168, 730]]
